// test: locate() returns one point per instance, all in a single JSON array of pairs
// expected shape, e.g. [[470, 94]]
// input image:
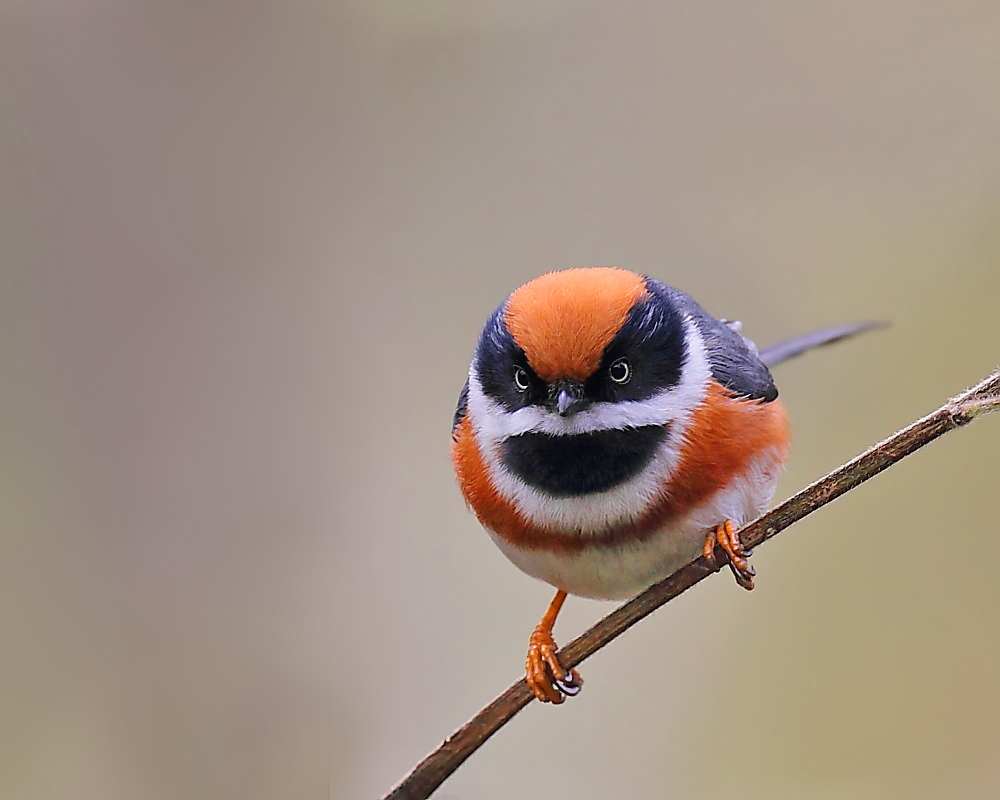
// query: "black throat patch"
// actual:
[[570, 466]]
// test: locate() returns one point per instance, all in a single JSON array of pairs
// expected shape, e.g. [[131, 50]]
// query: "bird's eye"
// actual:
[[620, 371], [521, 379]]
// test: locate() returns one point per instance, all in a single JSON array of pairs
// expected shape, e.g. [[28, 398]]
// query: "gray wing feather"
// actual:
[[733, 358]]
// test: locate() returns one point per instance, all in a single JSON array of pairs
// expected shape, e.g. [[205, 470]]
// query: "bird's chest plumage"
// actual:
[[584, 463], [606, 514]]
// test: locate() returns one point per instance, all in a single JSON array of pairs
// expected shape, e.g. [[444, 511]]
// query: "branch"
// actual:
[[960, 410]]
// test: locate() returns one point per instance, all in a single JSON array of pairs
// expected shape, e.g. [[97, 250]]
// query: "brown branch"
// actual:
[[442, 762]]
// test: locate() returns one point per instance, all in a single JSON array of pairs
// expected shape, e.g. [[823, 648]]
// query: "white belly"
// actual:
[[622, 571]]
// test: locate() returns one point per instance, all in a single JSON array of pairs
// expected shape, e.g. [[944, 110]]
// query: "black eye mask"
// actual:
[[652, 339]]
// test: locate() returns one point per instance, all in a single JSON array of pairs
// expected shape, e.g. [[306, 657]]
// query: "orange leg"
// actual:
[[546, 677], [726, 537]]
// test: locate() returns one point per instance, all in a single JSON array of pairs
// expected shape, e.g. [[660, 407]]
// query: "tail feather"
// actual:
[[789, 348]]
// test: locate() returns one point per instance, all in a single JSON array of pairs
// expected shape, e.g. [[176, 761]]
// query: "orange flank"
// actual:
[[724, 436], [495, 512]]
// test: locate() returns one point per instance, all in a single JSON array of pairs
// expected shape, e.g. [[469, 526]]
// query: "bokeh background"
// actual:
[[245, 251]]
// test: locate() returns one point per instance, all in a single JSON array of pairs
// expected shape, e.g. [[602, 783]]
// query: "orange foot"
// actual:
[[726, 537], [546, 678]]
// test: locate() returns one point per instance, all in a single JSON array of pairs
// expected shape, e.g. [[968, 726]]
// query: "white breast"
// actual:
[[622, 571]]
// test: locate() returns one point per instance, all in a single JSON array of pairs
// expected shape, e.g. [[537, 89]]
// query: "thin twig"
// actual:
[[960, 410]]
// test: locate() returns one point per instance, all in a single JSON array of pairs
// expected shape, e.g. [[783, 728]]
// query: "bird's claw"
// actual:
[[546, 677], [572, 685], [727, 537]]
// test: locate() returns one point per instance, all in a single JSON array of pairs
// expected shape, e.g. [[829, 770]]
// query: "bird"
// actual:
[[610, 431]]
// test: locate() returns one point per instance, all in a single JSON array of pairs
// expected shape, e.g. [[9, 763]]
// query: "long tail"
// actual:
[[782, 351]]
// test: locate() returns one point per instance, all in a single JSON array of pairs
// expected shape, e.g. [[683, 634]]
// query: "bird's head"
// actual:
[[579, 375]]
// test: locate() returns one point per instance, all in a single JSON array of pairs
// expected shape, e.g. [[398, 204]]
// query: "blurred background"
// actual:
[[245, 253]]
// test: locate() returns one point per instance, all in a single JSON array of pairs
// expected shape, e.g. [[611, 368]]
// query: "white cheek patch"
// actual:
[[659, 409], [492, 425]]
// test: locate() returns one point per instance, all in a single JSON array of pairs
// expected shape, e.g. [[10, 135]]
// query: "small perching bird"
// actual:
[[611, 431]]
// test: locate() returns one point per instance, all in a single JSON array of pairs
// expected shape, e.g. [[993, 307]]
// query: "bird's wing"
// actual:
[[732, 357]]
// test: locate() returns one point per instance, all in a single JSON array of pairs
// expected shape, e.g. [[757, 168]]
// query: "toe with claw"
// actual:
[[727, 537], [546, 677]]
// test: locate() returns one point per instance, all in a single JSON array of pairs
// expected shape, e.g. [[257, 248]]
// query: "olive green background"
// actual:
[[245, 251]]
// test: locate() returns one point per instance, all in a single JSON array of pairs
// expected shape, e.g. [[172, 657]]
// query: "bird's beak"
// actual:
[[569, 398]]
